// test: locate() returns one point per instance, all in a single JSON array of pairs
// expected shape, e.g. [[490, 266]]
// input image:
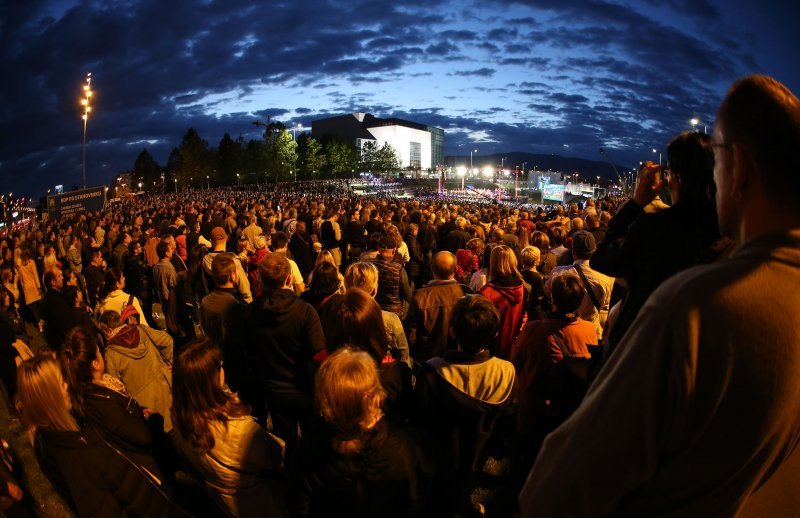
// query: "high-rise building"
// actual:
[[419, 147]]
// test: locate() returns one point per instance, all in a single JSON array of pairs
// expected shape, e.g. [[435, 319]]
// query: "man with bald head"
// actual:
[[697, 412], [428, 320]]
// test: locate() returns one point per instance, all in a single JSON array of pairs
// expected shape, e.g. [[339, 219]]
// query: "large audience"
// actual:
[[301, 350]]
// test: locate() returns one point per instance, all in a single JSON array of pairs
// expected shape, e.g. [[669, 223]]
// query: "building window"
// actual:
[[415, 154]]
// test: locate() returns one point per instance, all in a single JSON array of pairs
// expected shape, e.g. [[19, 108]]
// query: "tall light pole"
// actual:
[[659, 156], [470, 160], [87, 91], [238, 183], [176, 185], [694, 122], [296, 127]]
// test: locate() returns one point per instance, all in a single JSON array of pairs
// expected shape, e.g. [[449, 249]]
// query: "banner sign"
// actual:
[[75, 202]]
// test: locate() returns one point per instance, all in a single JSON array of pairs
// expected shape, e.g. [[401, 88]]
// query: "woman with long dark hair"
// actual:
[[240, 463], [113, 297]]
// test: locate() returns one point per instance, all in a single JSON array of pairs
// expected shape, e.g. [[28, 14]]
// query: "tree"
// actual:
[[195, 160], [255, 160], [386, 159], [230, 160], [311, 158], [341, 158], [281, 154], [369, 156], [146, 171]]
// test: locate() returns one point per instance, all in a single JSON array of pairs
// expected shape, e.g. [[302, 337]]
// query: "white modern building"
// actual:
[[418, 146]]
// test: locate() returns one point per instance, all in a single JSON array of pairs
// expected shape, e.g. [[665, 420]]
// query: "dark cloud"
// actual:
[[574, 72], [481, 72]]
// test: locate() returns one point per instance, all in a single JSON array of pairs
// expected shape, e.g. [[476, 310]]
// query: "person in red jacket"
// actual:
[[509, 294]]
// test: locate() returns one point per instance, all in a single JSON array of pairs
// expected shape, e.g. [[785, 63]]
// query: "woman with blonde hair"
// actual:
[[359, 463], [325, 256], [96, 477], [240, 463], [507, 290]]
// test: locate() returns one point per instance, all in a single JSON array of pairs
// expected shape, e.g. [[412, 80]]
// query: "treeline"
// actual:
[[276, 157]]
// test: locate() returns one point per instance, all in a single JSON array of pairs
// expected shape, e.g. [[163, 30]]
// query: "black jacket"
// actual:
[[58, 317], [390, 477], [97, 478]]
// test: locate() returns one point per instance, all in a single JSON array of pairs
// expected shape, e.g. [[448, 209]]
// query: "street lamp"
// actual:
[[296, 127], [470, 162], [208, 182], [176, 185], [462, 171], [659, 156], [87, 90], [694, 122], [238, 183], [140, 186]]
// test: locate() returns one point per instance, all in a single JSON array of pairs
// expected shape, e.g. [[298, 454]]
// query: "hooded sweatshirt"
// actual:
[[141, 359], [282, 335], [509, 296]]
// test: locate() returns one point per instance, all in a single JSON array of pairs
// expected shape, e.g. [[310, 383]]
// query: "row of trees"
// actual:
[[276, 157]]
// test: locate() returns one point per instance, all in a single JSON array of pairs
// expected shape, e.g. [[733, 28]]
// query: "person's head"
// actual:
[[5, 300], [530, 257], [223, 270], [81, 362], [475, 323], [583, 245], [576, 224], [350, 396], [109, 321], [558, 236], [756, 138], [567, 292], [592, 221], [135, 248], [502, 263], [198, 396], [53, 278], [7, 275], [541, 241], [260, 242], [163, 250], [275, 272], [324, 256], [362, 275], [218, 237], [690, 173], [356, 319], [387, 246], [113, 280], [280, 241], [443, 266], [476, 246], [42, 398], [95, 256], [324, 280]]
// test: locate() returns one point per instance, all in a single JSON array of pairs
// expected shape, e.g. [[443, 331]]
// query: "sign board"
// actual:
[[76, 202], [553, 192]]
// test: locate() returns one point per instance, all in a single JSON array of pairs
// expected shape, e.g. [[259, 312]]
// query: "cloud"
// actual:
[[481, 72]]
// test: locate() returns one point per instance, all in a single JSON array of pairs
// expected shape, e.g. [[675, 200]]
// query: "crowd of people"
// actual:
[[304, 351]]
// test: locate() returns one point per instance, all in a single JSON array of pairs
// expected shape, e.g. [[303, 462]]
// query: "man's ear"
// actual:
[[741, 172]]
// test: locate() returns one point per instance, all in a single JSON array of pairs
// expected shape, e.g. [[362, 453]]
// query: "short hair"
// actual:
[[109, 320], [567, 292], [222, 266], [274, 269], [443, 265], [577, 223], [279, 240], [93, 253], [50, 275], [461, 223], [361, 275], [691, 159], [474, 323], [162, 248], [530, 257], [592, 220], [350, 395], [558, 236], [260, 242], [763, 116]]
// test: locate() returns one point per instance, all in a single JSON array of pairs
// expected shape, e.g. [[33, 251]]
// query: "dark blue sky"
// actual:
[[552, 76]]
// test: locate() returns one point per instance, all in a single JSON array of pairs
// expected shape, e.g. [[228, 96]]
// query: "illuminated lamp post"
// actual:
[[659, 156], [176, 185], [296, 127], [470, 163], [87, 91]]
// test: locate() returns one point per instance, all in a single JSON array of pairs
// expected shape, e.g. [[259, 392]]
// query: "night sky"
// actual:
[[552, 76]]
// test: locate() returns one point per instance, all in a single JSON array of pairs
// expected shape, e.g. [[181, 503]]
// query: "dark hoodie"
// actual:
[[282, 334], [509, 296]]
